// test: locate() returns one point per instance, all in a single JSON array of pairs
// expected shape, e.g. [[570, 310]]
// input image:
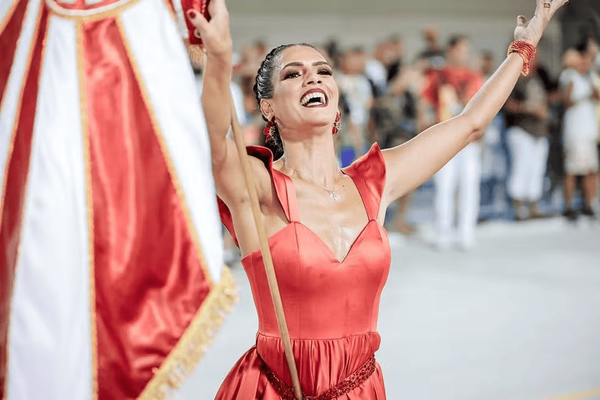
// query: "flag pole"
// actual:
[[266, 253]]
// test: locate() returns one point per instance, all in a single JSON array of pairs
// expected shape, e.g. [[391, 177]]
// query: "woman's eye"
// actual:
[[292, 74], [325, 71]]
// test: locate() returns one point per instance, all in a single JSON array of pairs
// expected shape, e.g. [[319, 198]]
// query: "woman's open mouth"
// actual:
[[314, 98]]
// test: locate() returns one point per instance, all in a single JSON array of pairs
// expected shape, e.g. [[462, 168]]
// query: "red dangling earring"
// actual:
[[337, 123], [269, 130]]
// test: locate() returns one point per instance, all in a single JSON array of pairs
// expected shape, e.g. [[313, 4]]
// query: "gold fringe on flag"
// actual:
[[186, 354]]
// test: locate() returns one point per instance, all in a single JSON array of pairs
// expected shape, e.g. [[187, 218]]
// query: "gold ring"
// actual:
[[197, 33], [547, 5]]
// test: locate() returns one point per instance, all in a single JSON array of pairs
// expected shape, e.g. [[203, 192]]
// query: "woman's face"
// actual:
[[305, 93]]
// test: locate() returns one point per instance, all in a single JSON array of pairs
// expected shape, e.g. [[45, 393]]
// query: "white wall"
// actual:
[[504, 8]]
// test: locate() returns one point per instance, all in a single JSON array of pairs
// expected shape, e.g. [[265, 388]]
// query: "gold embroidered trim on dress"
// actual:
[[200, 333], [93, 14], [89, 206]]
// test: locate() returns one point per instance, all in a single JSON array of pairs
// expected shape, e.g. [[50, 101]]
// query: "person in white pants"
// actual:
[[580, 130], [463, 172], [527, 120], [448, 90], [529, 159]]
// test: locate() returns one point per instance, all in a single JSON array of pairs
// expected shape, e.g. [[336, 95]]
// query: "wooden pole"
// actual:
[[266, 253]]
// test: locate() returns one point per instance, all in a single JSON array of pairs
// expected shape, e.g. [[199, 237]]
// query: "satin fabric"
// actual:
[[110, 240], [16, 182], [331, 307], [8, 40], [149, 279], [83, 4]]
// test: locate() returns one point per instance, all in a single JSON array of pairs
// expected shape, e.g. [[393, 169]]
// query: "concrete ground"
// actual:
[[516, 318]]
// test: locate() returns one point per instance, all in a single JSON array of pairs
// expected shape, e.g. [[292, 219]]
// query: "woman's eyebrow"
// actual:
[[299, 64]]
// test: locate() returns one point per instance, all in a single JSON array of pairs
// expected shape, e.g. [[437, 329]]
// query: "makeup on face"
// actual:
[[296, 69], [314, 97]]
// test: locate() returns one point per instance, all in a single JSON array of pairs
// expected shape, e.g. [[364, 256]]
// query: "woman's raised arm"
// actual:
[[216, 103], [413, 163]]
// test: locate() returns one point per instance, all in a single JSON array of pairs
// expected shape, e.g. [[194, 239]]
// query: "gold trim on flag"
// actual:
[[36, 33], [13, 134], [89, 206], [94, 14], [165, 151], [9, 15], [200, 333]]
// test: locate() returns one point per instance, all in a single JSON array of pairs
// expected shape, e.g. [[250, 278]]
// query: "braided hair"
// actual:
[[263, 88]]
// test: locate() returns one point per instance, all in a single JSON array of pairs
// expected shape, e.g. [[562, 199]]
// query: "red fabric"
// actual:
[[331, 307], [465, 82], [16, 185], [149, 279], [8, 43], [199, 6]]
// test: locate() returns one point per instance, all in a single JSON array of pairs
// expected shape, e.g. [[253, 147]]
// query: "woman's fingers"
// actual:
[[521, 21], [197, 19], [215, 35], [549, 7]]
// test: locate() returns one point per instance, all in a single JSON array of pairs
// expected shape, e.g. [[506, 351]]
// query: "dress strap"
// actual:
[[368, 174], [292, 211], [284, 189]]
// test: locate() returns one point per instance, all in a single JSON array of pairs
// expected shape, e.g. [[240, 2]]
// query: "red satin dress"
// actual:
[[331, 307]]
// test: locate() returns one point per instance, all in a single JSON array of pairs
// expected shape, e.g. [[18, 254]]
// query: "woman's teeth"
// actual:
[[313, 99]]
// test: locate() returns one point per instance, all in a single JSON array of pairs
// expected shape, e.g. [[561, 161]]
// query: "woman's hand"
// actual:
[[531, 31], [216, 37]]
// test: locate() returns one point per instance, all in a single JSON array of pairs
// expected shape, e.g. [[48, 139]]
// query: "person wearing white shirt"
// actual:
[[580, 129]]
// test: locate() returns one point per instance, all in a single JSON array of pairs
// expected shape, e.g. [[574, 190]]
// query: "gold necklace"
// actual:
[[331, 192]]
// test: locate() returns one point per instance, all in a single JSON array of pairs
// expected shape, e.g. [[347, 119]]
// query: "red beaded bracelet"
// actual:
[[526, 51]]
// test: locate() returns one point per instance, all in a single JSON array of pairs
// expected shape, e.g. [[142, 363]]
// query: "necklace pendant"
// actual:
[[334, 196]]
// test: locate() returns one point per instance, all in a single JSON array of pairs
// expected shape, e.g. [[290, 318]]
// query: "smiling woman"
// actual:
[[329, 249], [264, 87]]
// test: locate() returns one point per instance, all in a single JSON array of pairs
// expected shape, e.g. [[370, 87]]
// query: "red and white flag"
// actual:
[[111, 274]]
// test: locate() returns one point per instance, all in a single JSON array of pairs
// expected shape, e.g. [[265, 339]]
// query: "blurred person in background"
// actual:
[[447, 91], [376, 68], [527, 121], [392, 122], [595, 50], [394, 56], [555, 165], [386, 64], [357, 93], [580, 128], [494, 160], [433, 50], [334, 53], [251, 57], [486, 64]]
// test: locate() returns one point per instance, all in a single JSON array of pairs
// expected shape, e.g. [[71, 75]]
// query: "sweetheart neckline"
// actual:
[[319, 239]]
